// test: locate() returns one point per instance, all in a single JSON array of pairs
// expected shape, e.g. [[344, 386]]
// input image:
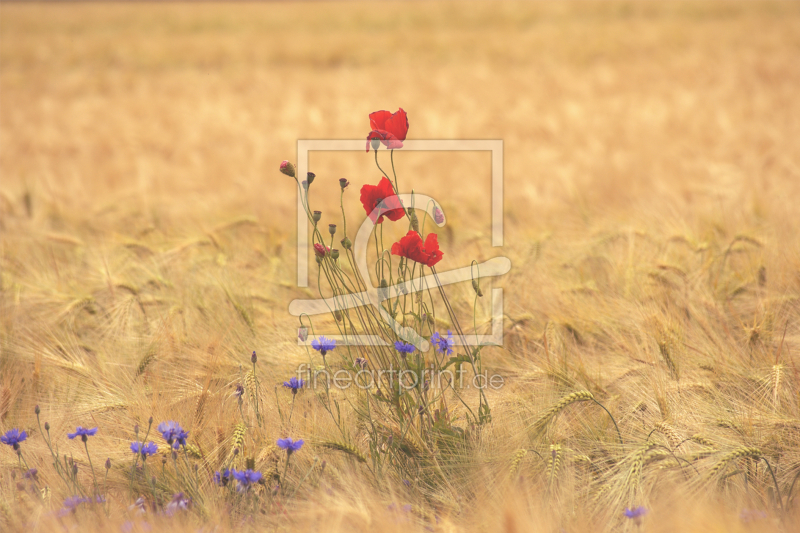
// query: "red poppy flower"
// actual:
[[381, 195], [389, 128], [411, 246]]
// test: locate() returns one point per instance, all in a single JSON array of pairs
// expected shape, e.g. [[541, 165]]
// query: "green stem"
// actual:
[[612, 419], [94, 478], [775, 481]]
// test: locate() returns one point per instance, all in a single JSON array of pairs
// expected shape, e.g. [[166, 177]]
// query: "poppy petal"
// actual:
[[378, 119]]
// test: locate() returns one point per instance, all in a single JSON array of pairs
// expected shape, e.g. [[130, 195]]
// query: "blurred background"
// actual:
[[141, 137]]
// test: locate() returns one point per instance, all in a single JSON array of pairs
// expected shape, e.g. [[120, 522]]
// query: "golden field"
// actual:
[[652, 193]]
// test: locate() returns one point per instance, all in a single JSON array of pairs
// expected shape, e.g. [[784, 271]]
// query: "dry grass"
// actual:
[[652, 175]]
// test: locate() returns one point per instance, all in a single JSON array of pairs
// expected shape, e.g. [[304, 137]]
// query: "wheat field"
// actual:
[[652, 206]]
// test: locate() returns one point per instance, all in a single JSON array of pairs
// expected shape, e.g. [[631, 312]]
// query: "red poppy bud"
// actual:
[[321, 249], [438, 216], [288, 169]]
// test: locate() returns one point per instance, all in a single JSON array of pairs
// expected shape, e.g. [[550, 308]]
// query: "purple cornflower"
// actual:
[[85, 433], [145, 449], [221, 479], [360, 361], [13, 437], [404, 349], [289, 445], [636, 514], [443, 345], [245, 478], [31, 474], [239, 392], [173, 433], [74, 501], [138, 506], [294, 384], [179, 503], [323, 345]]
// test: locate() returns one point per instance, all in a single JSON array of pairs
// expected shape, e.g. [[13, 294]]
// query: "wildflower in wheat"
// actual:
[[173, 433], [412, 247], [442, 344], [381, 196], [388, 128], [83, 432], [294, 384], [323, 345], [13, 437]]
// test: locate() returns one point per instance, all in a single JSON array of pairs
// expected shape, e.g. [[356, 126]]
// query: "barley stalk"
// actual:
[[145, 361], [744, 451], [699, 439], [519, 455], [669, 432], [553, 465], [237, 442], [777, 374], [349, 449], [549, 414]]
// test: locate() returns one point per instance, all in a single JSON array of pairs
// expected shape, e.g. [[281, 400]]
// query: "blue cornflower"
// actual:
[[443, 345], [173, 433], [245, 478], [221, 479], [636, 514], [74, 501], [85, 433], [179, 503], [404, 349], [145, 449], [294, 384], [31, 474], [323, 345], [289, 445], [13, 437]]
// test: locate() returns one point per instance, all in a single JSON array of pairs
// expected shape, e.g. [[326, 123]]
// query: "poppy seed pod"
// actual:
[[316, 216], [376, 143], [337, 315], [412, 216], [288, 169], [335, 253], [343, 183], [332, 229], [477, 288], [346, 244], [310, 177]]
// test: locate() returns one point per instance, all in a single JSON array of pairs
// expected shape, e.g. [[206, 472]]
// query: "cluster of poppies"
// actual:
[[380, 201]]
